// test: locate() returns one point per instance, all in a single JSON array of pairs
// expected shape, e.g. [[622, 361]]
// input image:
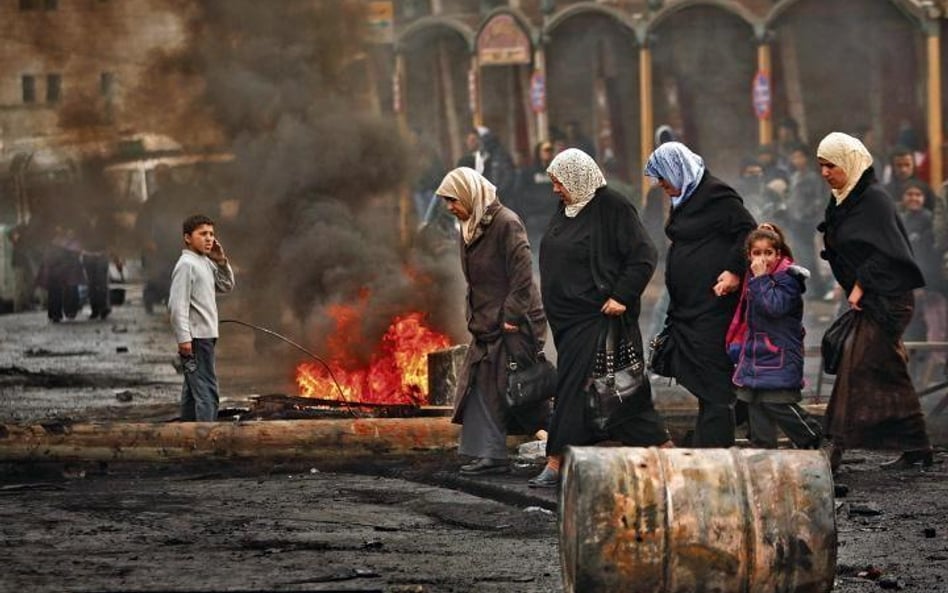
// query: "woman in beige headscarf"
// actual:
[[595, 261], [504, 316], [873, 404]]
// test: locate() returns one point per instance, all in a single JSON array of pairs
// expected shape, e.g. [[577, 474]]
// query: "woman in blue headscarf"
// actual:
[[707, 227]]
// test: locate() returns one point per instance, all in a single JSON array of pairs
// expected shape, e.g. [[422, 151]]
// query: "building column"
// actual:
[[405, 208], [646, 123], [474, 90], [542, 119], [765, 125], [935, 133]]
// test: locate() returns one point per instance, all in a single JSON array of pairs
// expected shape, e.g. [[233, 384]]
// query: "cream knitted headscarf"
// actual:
[[847, 153], [473, 191], [580, 175]]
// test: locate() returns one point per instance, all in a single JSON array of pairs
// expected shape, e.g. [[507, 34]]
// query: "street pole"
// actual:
[[934, 105], [765, 128], [646, 123]]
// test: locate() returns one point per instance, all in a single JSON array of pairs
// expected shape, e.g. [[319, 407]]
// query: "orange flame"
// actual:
[[396, 374]]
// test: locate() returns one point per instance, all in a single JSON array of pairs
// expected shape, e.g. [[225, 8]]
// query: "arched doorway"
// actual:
[[505, 56], [839, 70], [703, 62], [437, 60], [593, 78]]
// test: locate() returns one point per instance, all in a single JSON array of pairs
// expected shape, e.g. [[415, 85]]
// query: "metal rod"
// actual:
[[301, 349]]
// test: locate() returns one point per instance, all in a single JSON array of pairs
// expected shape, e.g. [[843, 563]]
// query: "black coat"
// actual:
[[865, 241], [601, 253], [707, 234]]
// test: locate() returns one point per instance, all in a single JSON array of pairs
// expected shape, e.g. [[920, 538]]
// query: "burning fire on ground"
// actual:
[[396, 374]]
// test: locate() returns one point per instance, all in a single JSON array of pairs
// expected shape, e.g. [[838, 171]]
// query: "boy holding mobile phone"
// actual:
[[201, 273]]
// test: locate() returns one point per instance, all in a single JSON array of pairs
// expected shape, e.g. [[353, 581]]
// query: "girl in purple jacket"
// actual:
[[766, 343]]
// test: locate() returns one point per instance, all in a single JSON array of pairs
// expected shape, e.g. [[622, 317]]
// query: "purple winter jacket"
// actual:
[[771, 356]]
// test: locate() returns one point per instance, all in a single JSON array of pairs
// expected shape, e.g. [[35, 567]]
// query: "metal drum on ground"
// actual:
[[637, 520]]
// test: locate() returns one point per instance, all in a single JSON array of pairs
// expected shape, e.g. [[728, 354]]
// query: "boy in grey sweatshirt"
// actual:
[[202, 271]]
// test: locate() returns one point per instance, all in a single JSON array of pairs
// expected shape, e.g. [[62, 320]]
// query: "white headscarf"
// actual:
[[580, 175], [474, 192], [847, 153]]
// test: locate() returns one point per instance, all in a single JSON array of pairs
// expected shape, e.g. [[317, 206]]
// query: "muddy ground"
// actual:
[[387, 525]]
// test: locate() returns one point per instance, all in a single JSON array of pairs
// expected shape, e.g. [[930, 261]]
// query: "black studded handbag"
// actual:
[[618, 376]]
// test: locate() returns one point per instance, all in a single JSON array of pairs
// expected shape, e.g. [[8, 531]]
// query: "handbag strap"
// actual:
[[538, 350]]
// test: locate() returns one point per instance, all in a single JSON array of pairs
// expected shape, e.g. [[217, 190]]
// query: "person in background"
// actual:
[[534, 200], [902, 167], [489, 158], [762, 200], [23, 269], [595, 261], [770, 166], [61, 274], [873, 404], [930, 319], [805, 202], [706, 260], [201, 273], [574, 137], [788, 137], [95, 261], [505, 318], [767, 348]]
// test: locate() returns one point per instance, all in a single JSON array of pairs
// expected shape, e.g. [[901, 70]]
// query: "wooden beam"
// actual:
[[295, 439]]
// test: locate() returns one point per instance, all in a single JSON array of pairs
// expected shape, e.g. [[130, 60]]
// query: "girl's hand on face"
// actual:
[[758, 266]]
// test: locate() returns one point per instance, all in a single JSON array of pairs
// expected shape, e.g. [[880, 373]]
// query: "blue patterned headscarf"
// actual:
[[675, 163]]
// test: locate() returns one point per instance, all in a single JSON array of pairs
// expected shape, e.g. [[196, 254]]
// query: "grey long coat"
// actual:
[[500, 287]]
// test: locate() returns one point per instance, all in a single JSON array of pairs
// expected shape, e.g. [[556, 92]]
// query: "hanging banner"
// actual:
[[502, 42], [380, 18], [538, 92], [761, 95]]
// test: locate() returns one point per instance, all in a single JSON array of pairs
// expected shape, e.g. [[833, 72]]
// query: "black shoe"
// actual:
[[909, 459], [104, 314], [484, 466], [548, 478]]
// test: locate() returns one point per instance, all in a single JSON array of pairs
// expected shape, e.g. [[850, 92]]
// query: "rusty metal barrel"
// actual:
[[637, 520]]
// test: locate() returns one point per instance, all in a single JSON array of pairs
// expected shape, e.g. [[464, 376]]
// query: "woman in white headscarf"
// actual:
[[504, 316], [706, 259], [595, 261], [873, 404]]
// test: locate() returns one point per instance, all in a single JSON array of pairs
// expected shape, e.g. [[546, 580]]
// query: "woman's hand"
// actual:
[[727, 283], [613, 308], [510, 328], [855, 297]]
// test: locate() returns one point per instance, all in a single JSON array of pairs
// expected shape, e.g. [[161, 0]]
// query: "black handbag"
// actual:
[[619, 375], [660, 353], [834, 340], [531, 383]]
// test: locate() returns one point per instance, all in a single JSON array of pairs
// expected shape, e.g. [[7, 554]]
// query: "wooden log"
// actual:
[[296, 439]]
